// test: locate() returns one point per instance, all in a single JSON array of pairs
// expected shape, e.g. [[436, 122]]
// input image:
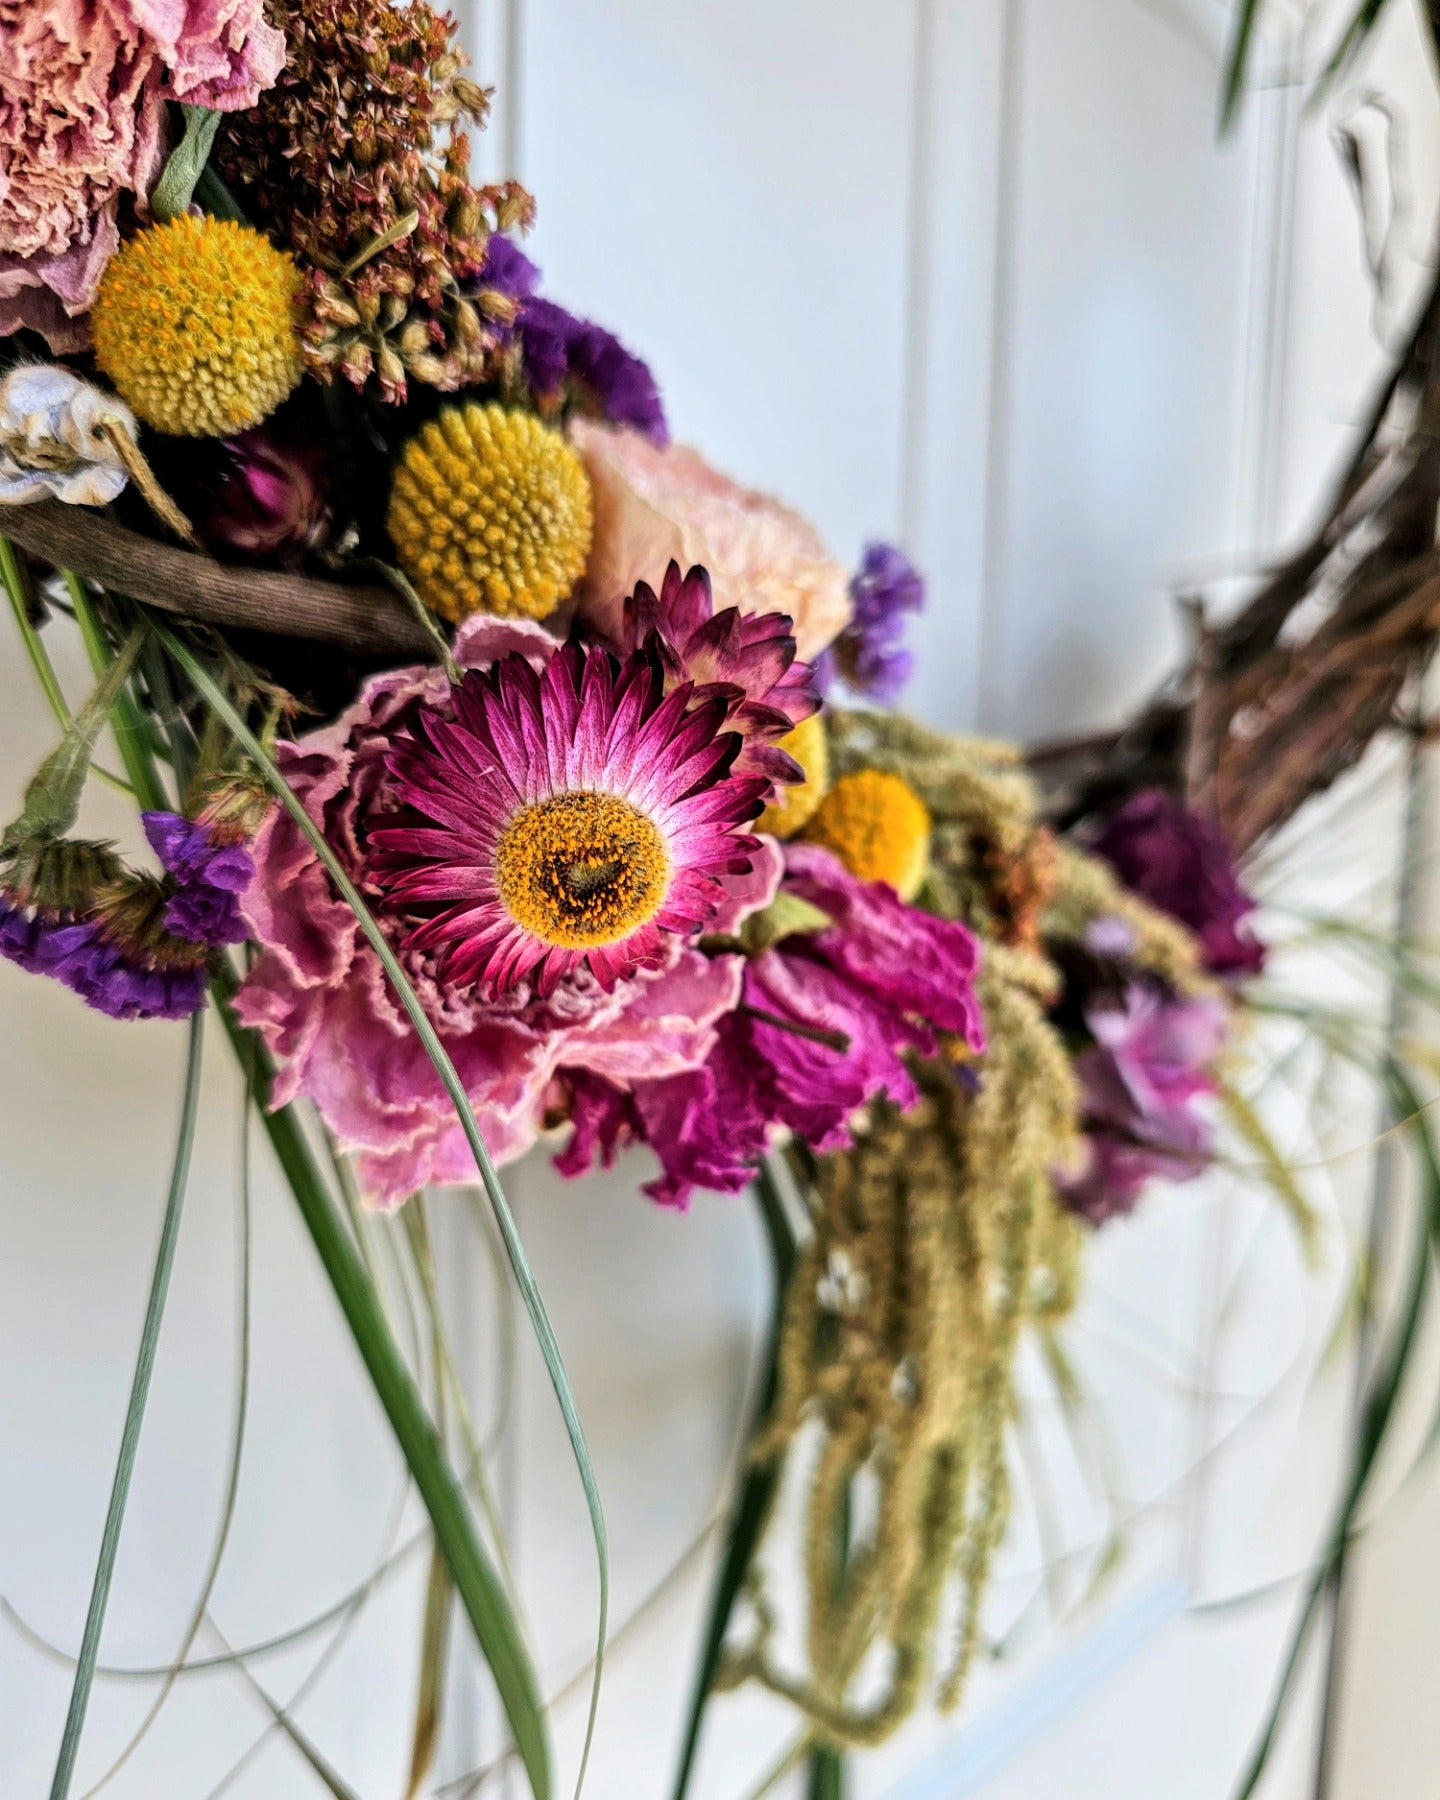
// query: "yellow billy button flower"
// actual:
[[491, 511], [195, 323], [793, 807], [879, 827]]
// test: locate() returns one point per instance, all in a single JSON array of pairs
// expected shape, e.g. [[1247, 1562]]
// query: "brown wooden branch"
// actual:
[[1288, 694], [370, 622]]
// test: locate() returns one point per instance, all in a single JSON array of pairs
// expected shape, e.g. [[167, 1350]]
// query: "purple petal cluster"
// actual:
[[1181, 862], [569, 358], [869, 655], [210, 875], [98, 969], [824, 1027], [1146, 1079]]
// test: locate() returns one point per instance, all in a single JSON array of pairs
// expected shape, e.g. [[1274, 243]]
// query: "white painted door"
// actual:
[[973, 274]]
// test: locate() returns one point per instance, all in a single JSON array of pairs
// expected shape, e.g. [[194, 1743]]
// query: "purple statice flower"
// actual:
[[1181, 862], [115, 978], [869, 656], [209, 875], [825, 1025], [1145, 1079], [567, 358], [508, 271], [124, 982]]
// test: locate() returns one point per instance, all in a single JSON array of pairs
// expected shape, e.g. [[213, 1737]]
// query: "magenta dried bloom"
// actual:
[[564, 821], [319, 997], [1146, 1080], [1181, 862], [746, 660], [825, 1025], [267, 495]]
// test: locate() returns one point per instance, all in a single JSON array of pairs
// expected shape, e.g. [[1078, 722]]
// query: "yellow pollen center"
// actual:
[[582, 869]]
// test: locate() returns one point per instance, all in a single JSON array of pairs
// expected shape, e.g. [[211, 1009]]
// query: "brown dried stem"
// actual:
[[365, 621]]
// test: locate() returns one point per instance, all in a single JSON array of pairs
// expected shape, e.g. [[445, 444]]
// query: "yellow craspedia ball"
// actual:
[[794, 806], [195, 323], [878, 826], [491, 511]]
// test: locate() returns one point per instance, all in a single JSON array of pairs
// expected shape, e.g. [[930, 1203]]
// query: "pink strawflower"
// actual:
[[747, 660], [825, 1026], [319, 996], [564, 821], [82, 87], [659, 504]]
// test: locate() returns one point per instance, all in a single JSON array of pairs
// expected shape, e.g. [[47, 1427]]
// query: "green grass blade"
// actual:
[[756, 1491], [496, 1629], [1378, 1409], [17, 587], [134, 1418], [219, 701], [1237, 62], [131, 737]]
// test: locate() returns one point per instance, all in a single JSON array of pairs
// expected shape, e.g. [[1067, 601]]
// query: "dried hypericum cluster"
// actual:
[[353, 159]]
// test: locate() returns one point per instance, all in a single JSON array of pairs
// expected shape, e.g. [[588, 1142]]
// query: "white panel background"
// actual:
[[976, 274]]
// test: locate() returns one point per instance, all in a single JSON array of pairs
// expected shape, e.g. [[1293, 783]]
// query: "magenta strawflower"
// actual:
[[564, 820], [748, 660]]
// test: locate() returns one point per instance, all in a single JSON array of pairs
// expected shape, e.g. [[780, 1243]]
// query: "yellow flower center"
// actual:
[[879, 828], [582, 869]]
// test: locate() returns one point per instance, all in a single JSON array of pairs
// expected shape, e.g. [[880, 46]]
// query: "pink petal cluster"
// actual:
[[655, 504], [82, 91], [319, 996], [824, 1027]]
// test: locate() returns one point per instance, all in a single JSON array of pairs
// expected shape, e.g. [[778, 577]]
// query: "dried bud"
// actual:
[[414, 339], [430, 369], [503, 308], [475, 99], [357, 363], [368, 306], [268, 494], [465, 216], [468, 328], [390, 367]]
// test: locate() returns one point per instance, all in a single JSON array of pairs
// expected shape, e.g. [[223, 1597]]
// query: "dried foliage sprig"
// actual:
[[353, 159]]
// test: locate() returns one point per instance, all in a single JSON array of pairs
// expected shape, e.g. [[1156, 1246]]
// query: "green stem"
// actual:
[[15, 579], [827, 1774], [131, 737], [753, 1501], [134, 1418], [220, 703], [17, 587], [479, 1586]]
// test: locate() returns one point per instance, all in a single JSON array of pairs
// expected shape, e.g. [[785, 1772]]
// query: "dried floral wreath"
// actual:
[[511, 775]]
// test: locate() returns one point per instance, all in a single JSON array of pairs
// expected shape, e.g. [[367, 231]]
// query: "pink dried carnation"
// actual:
[[320, 998], [82, 87], [655, 505]]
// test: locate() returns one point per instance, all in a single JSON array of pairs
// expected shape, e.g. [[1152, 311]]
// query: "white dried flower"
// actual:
[[61, 436]]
